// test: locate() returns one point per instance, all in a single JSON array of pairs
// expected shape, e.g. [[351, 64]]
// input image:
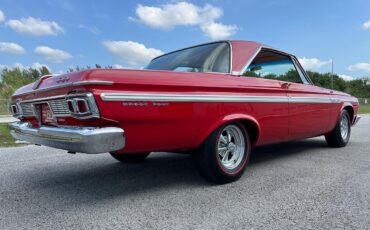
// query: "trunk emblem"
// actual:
[[62, 79]]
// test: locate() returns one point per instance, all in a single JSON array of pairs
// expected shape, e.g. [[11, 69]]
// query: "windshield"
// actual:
[[214, 57]]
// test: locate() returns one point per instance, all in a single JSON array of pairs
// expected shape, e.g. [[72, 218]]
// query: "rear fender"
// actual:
[[246, 120]]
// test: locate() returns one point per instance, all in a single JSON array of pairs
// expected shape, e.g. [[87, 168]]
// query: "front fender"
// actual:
[[352, 113]]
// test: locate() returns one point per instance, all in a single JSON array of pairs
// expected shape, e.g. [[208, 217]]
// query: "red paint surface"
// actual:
[[185, 125]]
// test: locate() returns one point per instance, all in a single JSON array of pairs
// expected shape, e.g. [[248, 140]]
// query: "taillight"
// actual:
[[82, 106], [70, 106], [15, 110]]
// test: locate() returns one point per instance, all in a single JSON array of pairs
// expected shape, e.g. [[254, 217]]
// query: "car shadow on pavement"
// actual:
[[107, 179], [288, 149]]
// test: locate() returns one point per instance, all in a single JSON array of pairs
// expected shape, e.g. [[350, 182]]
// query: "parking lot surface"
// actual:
[[302, 184]]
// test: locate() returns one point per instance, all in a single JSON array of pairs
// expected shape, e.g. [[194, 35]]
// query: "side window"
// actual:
[[271, 65]]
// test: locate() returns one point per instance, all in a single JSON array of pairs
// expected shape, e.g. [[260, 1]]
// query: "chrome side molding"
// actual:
[[167, 97]]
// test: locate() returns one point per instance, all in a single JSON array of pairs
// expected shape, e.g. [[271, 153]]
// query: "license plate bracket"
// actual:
[[46, 115]]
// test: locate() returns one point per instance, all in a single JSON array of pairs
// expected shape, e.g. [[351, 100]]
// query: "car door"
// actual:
[[272, 109], [309, 106], [308, 111]]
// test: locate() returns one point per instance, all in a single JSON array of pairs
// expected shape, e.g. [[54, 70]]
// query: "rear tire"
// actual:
[[223, 156], [340, 135], [130, 158]]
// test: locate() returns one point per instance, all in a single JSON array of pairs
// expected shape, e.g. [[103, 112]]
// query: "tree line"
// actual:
[[13, 78]]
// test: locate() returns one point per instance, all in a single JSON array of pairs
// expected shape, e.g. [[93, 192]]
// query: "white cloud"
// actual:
[[59, 72], [35, 26], [181, 13], [313, 63], [133, 53], [346, 77], [4, 66], [118, 66], [34, 65], [2, 16], [185, 14], [362, 66], [92, 29], [366, 25], [37, 65], [19, 66], [11, 48], [53, 55], [218, 31]]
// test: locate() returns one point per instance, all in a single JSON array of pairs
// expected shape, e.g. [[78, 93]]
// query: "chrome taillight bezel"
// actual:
[[88, 100], [16, 110]]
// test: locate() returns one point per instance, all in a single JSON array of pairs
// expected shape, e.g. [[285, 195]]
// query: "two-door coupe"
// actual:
[[215, 100]]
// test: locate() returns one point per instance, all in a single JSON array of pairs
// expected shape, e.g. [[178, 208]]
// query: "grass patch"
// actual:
[[6, 140], [364, 109], [4, 107]]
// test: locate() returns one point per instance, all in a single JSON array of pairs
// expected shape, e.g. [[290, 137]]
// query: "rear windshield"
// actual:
[[214, 57]]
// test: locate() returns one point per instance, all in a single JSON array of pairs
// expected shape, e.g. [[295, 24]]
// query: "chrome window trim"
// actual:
[[77, 83], [298, 64], [249, 61], [203, 44], [302, 76], [293, 59], [261, 48], [214, 98]]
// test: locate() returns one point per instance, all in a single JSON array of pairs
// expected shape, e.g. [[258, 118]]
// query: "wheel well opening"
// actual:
[[350, 112], [252, 129]]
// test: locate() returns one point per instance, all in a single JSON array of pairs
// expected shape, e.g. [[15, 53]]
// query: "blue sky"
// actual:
[[63, 33]]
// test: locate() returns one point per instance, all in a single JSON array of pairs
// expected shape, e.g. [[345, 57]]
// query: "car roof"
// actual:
[[241, 51]]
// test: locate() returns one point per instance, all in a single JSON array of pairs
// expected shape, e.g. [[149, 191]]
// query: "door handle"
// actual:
[[285, 85]]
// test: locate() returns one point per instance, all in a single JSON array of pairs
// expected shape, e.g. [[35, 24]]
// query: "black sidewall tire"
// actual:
[[334, 138], [207, 159]]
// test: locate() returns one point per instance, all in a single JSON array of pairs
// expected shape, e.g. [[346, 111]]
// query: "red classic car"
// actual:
[[215, 100]]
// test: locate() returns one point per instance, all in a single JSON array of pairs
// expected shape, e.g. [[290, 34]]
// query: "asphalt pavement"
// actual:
[[297, 185]]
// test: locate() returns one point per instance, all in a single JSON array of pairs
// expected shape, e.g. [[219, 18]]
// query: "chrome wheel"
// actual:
[[231, 147], [339, 136], [344, 127]]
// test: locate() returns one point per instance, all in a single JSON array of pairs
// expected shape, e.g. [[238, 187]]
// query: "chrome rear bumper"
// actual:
[[357, 118], [84, 139]]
